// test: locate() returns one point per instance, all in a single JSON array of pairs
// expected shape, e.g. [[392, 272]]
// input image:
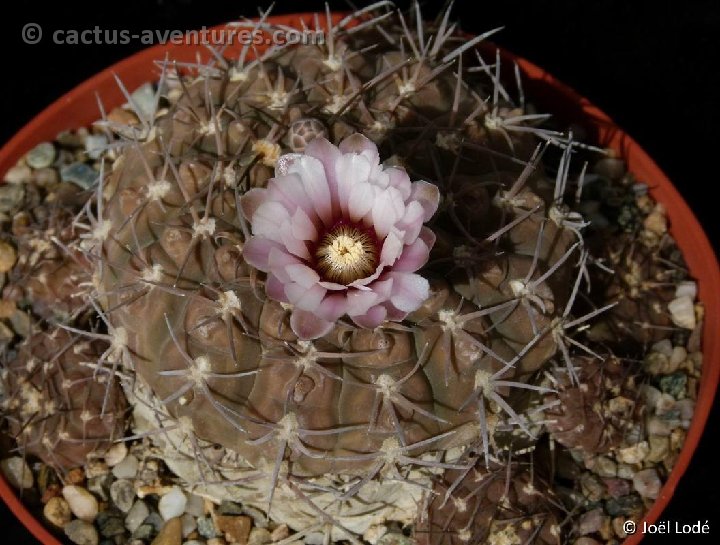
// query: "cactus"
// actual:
[[339, 276]]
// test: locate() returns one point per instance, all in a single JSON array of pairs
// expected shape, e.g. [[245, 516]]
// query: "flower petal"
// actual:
[[387, 209], [256, 252], [359, 301], [302, 274], [307, 326], [351, 170], [372, 318], [268, 218], [360, 201], [322, 150], [314, 181], [278, 261], [428, 195], [284, 162], [333, 307], [250, 202], [304, 298], [275, 289], [400, 180], [362, 145], [391, 249], [409, 291], [302, 227], [415, 255]]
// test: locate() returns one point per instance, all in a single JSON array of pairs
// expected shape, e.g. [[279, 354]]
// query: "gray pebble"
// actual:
[[127, 469], [10, 196], [100, 486], [206, 528], [230, 508], [110, 523], [41, 156], [144, 531], [155, 520], [80, 174], [81, 532], [137, 514], [122, 493]]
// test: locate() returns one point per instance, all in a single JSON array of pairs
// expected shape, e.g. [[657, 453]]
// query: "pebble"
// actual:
[[100, 486], [682, 312], [586, 541], [8, 256], [259, 536], [20, 321], [193, 542], [136, 515], [279, 533], [604, 467], [206, 528], [122, 493], [57, 511], [227, 507], [195, 505], [10, 196], [127, 468], [143, 98], [674, 384], [189, 524], [110, 523], [633, 454], [216, 541], [170, 534], [235, 527], [81, 533], [172, 504], [41, 156], [18, 174], [116, 454], [17, 472], [82, 503], [46, 177], [80, 174], [591, 522], [96, 468], [627, 505], [688, 287], [95, 145], [647, 483], [144, 531], [617, 487], [591, 487]]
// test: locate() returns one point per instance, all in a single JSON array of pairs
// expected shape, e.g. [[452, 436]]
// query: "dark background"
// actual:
[[652, 66]]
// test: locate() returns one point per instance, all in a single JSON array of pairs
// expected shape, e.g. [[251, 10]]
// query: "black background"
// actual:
[[652, 66]]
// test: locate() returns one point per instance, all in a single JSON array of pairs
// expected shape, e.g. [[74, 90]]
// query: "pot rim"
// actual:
[[78, 108]]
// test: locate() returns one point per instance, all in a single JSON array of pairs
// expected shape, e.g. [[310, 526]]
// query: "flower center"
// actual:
[[345, 254]]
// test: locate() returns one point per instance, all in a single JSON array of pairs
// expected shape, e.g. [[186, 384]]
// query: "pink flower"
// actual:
[[339, 234]]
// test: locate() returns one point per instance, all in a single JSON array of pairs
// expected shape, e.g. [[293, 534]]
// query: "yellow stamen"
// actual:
[[346, 254]]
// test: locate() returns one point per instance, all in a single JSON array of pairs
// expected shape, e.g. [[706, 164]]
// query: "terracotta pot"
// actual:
[[79, 108]]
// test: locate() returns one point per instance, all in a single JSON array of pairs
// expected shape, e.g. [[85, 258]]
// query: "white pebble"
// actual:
[[127, 469], [137, 514], [679, 355], [82, 503], [95, 144], [688, 288], [663, 347], [122, 493], [172, 504], [17, 472], [116, 454], [647, 483], [682, 312], [634, 454]]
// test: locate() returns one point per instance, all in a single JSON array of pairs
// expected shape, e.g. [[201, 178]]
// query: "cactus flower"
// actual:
[[339, 234]]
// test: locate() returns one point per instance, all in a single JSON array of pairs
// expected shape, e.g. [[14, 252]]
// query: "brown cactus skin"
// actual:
[[499, 504], [54, 402], [170, 207], [586, 417]]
